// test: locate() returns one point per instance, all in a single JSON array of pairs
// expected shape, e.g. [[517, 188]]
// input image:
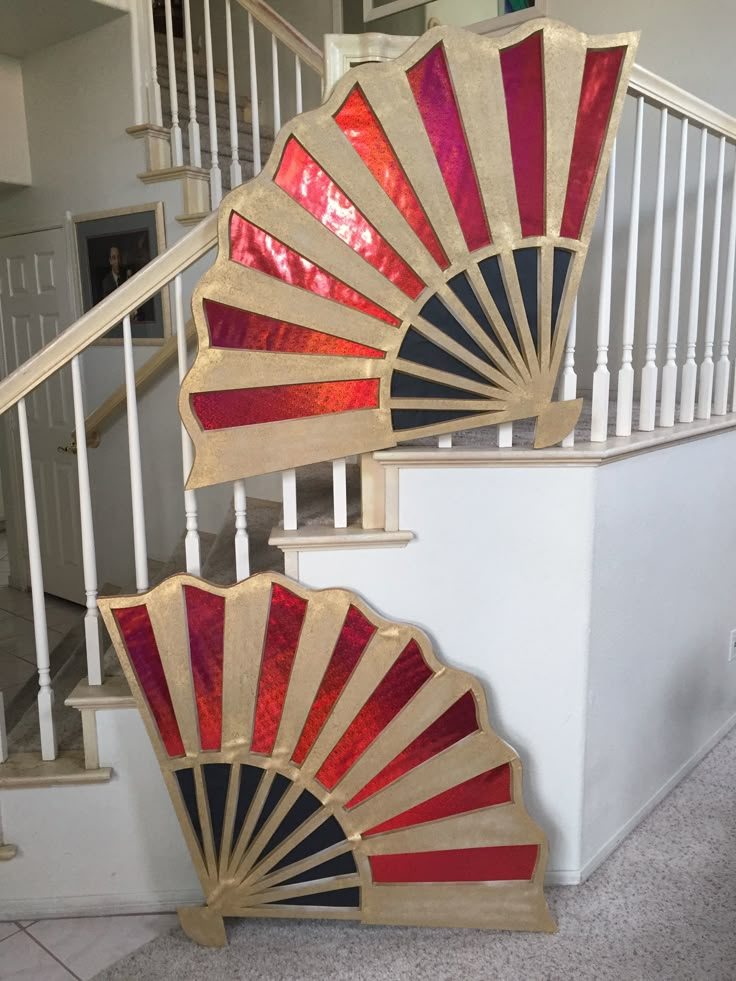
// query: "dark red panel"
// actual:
[[503, 863], [353, 640], [435, 98], [398, 686], [453, 725], [140, 641], [206, 625], [523, 82], [600, 79], [252, 406], [486, 790], [232, 327], [358, 122], [251, 246], [309, 185], [285, 619]]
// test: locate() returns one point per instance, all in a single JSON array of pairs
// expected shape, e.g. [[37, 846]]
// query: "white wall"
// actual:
[[664, 604], [15, 158]]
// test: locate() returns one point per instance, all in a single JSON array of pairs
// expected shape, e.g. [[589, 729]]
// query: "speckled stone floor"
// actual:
[[662, 908]]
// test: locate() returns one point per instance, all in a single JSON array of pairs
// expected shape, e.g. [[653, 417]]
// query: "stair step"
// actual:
[[28, 770]]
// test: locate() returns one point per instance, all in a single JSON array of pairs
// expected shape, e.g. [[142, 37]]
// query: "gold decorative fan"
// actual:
[[323, 762], [407, 262]]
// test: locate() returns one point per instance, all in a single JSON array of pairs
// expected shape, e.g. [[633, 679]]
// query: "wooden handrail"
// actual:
[[103, 417], [110, 311], [302, 47], [680, 103]]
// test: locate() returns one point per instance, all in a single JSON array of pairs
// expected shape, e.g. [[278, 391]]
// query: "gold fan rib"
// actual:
[[312, 861], [518, 310], [246, 831], [461, 405], [544, 304], [259, 841], [457, 425], [228, 824], [445, 378], [507, 370], [306, 889], [564, 314], [203, 810], [255, 872], [207, 880], [441, 339], [491, 311]]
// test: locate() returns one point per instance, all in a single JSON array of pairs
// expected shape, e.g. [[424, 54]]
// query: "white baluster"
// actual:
[[236, 173], [89, 555], [215, 173], [649, 374], [723, 368], [240, 503], [569, 384], [601, 376], [705, 383], [288, 485], [254, 112], [45, 691], [340, 493], [140, 548], [135, 63], [3, 731], [154, 89], [689, 370], [625, 398], [191, 541], [177, 151], [276, 85], [195, 145], [445, 442], [669, 371], [505, 435], [298, 75]]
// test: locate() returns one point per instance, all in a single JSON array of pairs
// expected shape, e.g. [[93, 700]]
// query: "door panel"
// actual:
[[36, 308]]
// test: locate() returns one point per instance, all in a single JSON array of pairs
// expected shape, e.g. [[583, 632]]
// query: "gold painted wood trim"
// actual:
[[23, 770]]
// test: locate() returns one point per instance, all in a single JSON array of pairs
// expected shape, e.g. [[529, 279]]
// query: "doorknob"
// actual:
[[69, 448]]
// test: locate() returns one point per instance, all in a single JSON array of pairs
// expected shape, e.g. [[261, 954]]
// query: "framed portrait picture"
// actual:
[[111, 247]]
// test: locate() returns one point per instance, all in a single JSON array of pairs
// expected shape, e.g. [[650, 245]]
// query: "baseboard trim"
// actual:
[[646, 809], [105, 905]]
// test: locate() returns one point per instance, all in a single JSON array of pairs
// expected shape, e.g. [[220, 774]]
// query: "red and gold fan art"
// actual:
[[323, 762], [407, 262]]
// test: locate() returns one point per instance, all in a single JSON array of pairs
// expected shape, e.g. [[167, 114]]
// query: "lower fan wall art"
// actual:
[[323, 762]]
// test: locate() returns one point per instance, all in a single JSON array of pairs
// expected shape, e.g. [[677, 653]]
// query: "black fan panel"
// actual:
[[327, 834], [527, 269], [250, 778], [560, 269], [436, 313], [216, 780], [340, 865], [338, 897], [189, 794], [305, 806], [490, 270], [415, 347], [410, 387], [460, 286], [278, 788], [402, 419]]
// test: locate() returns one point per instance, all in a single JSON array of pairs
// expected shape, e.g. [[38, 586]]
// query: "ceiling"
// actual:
[[29, 25]]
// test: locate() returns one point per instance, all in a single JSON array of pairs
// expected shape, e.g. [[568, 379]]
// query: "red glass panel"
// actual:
[[600, 80], [399, 685], [251, 246], [486, 790], [252, 406], [353, 640], [140, 641], [232, 327], [285, 619], [358, 122], [309, 185], [503, 863], [206, 625], [523, 82], [453, 725], [432, 87]]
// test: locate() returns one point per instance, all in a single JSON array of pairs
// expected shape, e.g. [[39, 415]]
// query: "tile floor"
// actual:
[[78, 948], [17, 642]]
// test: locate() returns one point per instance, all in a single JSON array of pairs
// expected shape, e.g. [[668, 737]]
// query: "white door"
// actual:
[[35, 306]]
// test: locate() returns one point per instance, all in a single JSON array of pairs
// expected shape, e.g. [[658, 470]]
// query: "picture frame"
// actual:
[[376, 9], [137, 234]]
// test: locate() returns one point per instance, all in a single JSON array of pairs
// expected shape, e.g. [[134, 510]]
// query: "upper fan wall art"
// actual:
[[323, 762], [407, 262]]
